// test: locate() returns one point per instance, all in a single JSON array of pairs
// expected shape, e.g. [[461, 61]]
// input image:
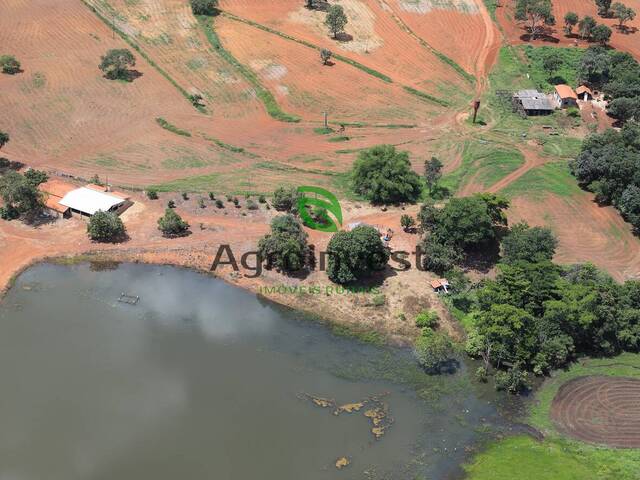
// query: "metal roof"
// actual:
[[536, 103], [89, 201], [529, 94]]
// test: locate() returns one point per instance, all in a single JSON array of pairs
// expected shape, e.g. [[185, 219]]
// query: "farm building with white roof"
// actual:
[[88, 201]]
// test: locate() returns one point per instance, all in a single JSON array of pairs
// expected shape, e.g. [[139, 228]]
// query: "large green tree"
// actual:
[[623, 13], [115, 64], [355, 255], [336, 20], [604, 7], [537, 14], [433, 350], [106, 227], [532, 244], [571, 19], [383, 175], [285, 248], [20, 196]]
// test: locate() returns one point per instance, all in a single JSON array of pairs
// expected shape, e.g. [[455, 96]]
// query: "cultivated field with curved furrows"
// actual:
[[372, 37], [627, 40], [599, 409]]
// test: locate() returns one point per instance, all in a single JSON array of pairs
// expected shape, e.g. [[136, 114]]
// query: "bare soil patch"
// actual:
[[599, 409]]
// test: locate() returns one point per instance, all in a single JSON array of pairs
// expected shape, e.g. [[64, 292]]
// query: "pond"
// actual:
[[200, 380]]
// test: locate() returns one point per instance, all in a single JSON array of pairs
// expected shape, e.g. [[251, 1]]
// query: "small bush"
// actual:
[[152, 194], [236, 202], [171, 204], [201, 203], [427, 319], [251, 205], [9, 64], [379, 300], [185, 196], [171, 224], [262, 199], [513, 381], [229, 198], [204, 7], [211, 196]]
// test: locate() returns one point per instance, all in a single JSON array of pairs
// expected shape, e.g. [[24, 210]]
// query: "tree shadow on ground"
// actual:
[[343, 37], [131, 75]]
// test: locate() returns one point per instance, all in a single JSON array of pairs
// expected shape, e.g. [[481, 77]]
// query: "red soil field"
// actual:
[[466, 34], [378, 41], [600, 410], [586, 232], [626, 41], [304, 86]]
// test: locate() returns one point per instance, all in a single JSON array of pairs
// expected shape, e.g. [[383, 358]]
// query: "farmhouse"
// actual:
[[532, 102], [564, 96], [584, 93], [62, 198]]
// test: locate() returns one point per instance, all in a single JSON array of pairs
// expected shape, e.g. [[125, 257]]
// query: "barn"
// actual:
[[88, 201], [532, 102]]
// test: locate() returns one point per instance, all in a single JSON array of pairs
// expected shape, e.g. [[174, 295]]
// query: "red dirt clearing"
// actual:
[[628, 41], [586, 232], [601, 410]]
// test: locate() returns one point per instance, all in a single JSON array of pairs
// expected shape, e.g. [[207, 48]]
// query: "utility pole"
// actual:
[[326, 122], [476, 107]]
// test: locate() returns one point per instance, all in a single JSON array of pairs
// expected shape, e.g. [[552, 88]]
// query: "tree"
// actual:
[[570, 21], [603, 7], [432, 172], [325, 55], [171, 224], [285, 199], [9, 64], [586, 26], [285, 248], [629, 205], [4, 138], [427, 319], [552, 62], [407, 222], [623, 13], [336, 20], [152, 194], [355, 255], [530, 244], [595, 67], [204, 7], [427, 216], [464, 222], [19, 195], [514, 380], [601, 34], [384, 176], [439, 256], [115, 64], [105, 227], [537, 13], [433, 350], [625, 109], [36, 177]]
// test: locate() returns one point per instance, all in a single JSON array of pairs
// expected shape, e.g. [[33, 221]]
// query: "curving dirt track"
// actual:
[[599, 409], [515, 32]]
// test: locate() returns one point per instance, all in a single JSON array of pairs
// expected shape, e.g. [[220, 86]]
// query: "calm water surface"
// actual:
[[201, 380]]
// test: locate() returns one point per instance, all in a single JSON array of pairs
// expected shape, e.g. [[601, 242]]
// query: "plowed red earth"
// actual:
[[627, 40], [601, 410]]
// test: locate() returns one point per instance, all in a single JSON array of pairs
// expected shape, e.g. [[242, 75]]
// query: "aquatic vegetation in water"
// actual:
[[342, 462]]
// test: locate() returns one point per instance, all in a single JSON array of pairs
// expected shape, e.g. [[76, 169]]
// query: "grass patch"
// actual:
[[187, 161], [265, 96], [492, 5], [556, 457], [484, 164], [364, 336], [196, 183], [561, 146], [567, 73], [459, 70], [425, 96], [228, 146], [172, 128], [323, 130], [341, 138], [523, 458], [554, 178]]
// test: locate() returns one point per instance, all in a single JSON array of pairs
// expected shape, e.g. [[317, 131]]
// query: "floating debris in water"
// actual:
[[342, 462], [377, 413]]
